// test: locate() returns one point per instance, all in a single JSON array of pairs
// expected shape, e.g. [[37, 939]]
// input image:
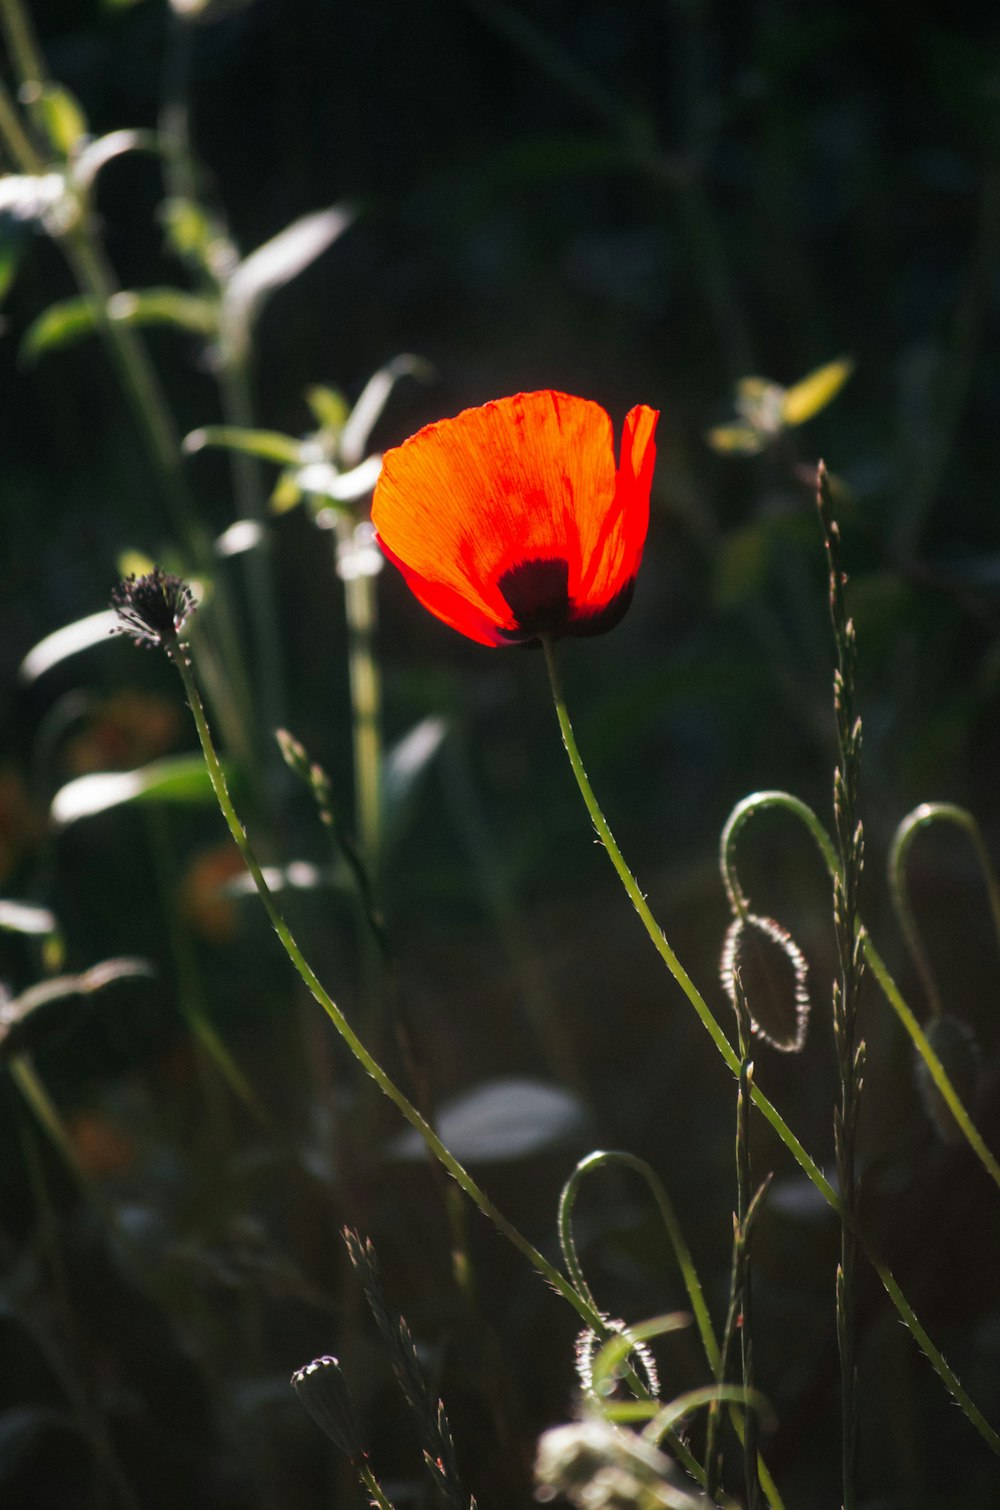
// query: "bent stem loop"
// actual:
[[178, 655], [731, 1059], [921, 818], [758, 802], [692, 1284]]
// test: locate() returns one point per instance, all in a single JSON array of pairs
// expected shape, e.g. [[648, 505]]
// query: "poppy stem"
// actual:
[[626, 877]]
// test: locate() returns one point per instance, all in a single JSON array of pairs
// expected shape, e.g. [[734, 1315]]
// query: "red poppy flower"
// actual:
[[511, 521]]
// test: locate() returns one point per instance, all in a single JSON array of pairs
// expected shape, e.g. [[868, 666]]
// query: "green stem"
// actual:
[[912, 824], [371, 1483], [24, 51], [731, 1059], [178, 656], [25, 1076], [847, 989], [17, 141], [361, 616], [757, 802], [692, 1284]]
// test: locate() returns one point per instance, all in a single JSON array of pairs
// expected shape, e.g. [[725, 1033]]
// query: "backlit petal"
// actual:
[[522, 491]]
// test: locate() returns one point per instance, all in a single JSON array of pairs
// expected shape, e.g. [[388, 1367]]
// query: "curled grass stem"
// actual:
[[759, 802], [732, 1062]]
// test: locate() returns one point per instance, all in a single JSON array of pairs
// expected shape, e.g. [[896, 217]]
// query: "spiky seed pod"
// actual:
[[588, 1345], [956, 1046], [774, 974], [154, 608], [323, 1390]]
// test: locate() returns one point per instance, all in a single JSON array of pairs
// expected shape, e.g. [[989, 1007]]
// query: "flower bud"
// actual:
[[323, 1390], [774, 975]]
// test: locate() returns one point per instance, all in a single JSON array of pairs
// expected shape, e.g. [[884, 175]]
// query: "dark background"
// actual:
[[642, 203]]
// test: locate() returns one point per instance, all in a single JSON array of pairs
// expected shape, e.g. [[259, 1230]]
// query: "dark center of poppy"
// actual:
[[537, 593]]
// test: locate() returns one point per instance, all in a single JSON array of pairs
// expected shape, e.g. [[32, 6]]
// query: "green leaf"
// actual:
[[287, 494], [179, 778], [72, 319], [271, 445], [165, 306], [24, 917], [197, 238], [374, 396], [95, 155], [330, 408], [321, 479], [59, 325], [405, 766], [814, 392], [501, 1120], [27, 197], [64, 121], [738, 440], [10, 261], [276, 263], [48, 1008]]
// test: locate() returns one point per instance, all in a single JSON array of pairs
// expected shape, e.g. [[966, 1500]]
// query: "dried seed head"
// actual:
[[153, 608], [323, 1390], [774, 974], [956, 1046]]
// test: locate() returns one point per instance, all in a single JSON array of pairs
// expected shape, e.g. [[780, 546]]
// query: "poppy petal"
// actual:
[[483, 512], [453, 608]]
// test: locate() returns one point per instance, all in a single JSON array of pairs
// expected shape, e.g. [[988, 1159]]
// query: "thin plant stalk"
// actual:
[[758, 802], [365, 681], [685, 1263], [233, 376], [805, 1162], [135, 371], [739, 1316], [847, 989], [178, 655], [912, 824], [374, 1488]]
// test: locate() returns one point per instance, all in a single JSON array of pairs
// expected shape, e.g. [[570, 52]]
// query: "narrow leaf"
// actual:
[[10, 261], [322, 480], [330, 408], [271, 445], [165, 306], [64, 121], [179, 778], [737, 440], [815, 391], [408, 760], [23, 917], [374, 396], [47, 1008], [27, 197], [95, 155], [500, 1120], [70, 640], [59, 325], [281, 259]]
